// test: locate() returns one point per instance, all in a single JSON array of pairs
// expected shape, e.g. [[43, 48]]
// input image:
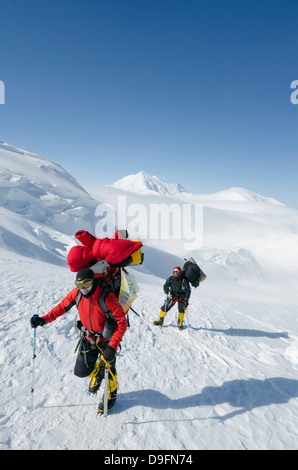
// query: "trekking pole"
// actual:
[[106, 377], [136, 313], [105, 401], [33, 365], [166, 309], [186, 313]]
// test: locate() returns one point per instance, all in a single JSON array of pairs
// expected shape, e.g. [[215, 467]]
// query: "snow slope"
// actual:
[[228, 381], [41, 205]]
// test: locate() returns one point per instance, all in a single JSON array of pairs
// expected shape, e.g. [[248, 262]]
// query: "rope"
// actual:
[[107, 364]]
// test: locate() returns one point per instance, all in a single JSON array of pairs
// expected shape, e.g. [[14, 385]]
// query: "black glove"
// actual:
[[36, 321], [109, 355]]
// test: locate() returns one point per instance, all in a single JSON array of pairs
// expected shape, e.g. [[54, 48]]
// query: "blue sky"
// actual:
[[194, 91]]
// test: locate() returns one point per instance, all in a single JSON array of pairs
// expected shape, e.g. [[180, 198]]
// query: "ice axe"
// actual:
[[167, 304], [186, 313]]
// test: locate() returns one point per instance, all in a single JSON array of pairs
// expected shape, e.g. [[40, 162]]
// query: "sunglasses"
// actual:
[[84, 284]]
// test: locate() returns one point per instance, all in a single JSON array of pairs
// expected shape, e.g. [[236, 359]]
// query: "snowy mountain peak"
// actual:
[[35, 170], [143, 183]]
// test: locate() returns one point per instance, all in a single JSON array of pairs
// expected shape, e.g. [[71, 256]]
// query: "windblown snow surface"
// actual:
[[229, 380]]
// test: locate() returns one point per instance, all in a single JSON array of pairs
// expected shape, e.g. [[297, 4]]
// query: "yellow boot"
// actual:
[[160, 321], [180, 320], [96, 380]]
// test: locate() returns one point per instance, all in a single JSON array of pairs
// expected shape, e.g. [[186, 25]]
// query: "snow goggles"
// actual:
[[84, 284]]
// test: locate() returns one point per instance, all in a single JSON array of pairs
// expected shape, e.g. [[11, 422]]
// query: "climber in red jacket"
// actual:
[[103, 324]]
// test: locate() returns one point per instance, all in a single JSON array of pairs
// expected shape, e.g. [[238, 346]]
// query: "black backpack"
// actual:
[[193, 273]]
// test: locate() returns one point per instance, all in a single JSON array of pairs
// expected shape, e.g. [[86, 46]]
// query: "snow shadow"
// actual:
[[242, 394], [23, 247], [246, 332]]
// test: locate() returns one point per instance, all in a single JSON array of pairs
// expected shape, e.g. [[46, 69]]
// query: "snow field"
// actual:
[[227, 382]]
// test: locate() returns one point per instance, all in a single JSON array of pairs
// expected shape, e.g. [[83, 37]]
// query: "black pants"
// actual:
[[87, 358], [169, 303]]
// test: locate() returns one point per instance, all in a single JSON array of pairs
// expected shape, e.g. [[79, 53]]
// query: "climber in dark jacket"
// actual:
[[178, 290]]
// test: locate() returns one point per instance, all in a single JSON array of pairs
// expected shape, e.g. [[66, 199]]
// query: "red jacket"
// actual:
[[91, 315]]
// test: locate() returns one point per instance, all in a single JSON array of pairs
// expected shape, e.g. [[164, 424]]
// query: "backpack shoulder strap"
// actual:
[[102, 299], [78, 298]]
